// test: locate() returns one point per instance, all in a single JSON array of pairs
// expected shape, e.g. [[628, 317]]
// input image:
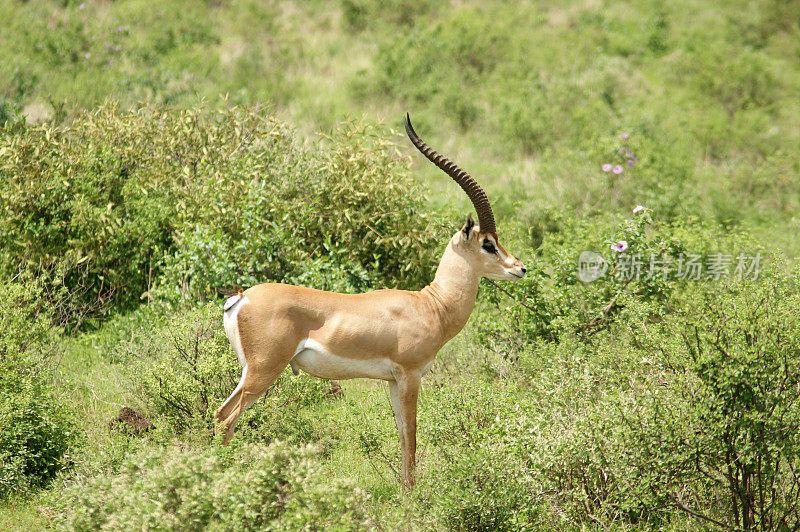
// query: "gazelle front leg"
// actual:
[[404, 392]]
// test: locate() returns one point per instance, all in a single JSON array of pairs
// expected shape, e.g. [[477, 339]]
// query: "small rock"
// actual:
[[335, 391], [45, 512], [129, 421]]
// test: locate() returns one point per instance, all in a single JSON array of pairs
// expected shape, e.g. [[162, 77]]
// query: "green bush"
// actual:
[[558, 303], [477, 434], [741, 349], [182, 369], [278, 487], [211, 199], [692, 414], [486, 489], [36, 434], [29, 338], [36, 427], [348, 219], [483, 462], [97, 197]]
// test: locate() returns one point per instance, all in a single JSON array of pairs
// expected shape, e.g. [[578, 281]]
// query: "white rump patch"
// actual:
[[231, 322], [313, 358], [231, 301]]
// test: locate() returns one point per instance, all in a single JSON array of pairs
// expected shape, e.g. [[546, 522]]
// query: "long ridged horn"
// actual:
[[465, 181]]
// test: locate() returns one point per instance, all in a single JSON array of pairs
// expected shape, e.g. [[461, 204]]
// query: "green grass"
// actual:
[[525, 96], [22, 515], [97, 387]]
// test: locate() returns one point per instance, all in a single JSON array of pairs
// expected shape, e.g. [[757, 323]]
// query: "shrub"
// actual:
[[559, 303], [486, 490], [99, 193], [30, 339], [741, 348], [184, 368], [36, 427], [36, 434], [211, 199], [250, 488], [484, 463], [478, 433], [346, 221], [693, 414]]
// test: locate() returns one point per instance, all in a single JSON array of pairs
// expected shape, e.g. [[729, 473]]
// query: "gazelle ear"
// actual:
[[466, 231]]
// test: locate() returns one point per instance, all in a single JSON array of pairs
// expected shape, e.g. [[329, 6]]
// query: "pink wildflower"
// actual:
[[620, 246]]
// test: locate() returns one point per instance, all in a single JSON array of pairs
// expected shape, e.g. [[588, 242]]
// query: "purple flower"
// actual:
[[617, 169], [623, 136], [606, 168], [82, 6], [120, 28], [630, 163], [88, 55], [620, 246]]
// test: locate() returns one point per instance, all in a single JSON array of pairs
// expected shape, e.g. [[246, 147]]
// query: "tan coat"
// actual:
[[392, 335]]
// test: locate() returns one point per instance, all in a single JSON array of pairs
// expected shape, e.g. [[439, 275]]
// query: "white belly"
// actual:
[[315, 360]]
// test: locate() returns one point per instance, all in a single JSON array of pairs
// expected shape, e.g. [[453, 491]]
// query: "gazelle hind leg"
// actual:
[[252, 386], [230, 320], [270, 348], [224, 410]]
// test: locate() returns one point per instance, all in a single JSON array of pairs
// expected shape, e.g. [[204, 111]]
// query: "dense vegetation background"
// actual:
[[150, 153]]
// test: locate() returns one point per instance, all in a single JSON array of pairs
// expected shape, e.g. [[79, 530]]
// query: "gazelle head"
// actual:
[[485, 253], [477, 242]]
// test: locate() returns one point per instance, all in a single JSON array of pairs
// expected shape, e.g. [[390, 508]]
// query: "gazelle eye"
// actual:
[[489, 247]]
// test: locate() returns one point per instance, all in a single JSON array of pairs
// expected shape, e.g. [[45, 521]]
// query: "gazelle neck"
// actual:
[[453, 290]]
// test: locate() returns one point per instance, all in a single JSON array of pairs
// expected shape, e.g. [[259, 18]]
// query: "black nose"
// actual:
[[524, 269]]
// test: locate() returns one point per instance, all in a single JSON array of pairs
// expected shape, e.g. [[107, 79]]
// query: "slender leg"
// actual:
[[253, 387], [261, 368], [405, 392], [394, 393], [225, 410]]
